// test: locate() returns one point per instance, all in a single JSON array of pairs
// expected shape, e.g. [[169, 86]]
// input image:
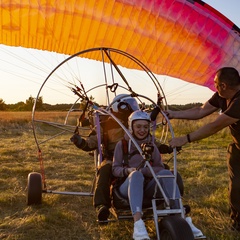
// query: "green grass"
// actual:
[[202, 166]]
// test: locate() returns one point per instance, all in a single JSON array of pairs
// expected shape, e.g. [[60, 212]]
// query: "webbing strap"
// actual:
[[98, 130], [125, 152]]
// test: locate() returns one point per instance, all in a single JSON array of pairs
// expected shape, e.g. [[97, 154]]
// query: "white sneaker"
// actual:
[[140, 232], [196, 232]]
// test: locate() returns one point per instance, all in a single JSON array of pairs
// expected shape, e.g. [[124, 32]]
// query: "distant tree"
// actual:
[[20, 106], [39, 104], [3, 106], [29, 104], [180, 107]]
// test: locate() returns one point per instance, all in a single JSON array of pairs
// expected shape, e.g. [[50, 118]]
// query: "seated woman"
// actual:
[[139, 181]]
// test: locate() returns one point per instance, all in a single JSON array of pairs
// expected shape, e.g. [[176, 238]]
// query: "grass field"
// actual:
[[202, 166]]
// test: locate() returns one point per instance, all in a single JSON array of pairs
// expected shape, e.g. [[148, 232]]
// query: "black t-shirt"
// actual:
[[231, 110]]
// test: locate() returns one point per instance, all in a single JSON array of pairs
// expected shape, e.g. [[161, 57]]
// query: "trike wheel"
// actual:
[[34, 188], [175, 228]]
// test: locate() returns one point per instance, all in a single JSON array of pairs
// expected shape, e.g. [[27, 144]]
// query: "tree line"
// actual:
[[41, 106], [28, 105]]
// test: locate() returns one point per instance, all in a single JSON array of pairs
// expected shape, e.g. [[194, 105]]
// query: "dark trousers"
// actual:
[[103, 183], [233, 162]]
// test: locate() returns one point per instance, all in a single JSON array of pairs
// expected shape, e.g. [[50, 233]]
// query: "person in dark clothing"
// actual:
[[123, 105], [227, 98]]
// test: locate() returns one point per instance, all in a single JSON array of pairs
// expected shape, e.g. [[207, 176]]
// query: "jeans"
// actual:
[[134, 188]]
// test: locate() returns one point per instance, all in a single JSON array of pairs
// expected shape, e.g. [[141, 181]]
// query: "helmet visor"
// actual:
[[131, 104]]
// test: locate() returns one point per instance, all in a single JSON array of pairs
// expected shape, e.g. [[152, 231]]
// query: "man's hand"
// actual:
[[170, 114], [178, 141]]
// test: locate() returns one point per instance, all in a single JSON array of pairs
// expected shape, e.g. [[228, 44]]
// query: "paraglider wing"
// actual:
[[186, 39]]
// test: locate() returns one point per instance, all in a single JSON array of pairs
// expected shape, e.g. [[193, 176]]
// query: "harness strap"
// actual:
[[125, 151], [126, 155]]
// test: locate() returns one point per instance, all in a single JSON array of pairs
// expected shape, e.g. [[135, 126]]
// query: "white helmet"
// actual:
[[124, 102], [137, 115]]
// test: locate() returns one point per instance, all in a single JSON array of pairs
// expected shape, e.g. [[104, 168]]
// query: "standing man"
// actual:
[[227, 98]]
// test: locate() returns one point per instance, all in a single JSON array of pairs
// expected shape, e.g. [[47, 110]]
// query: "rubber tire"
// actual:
[[34, 188], [175, 228]]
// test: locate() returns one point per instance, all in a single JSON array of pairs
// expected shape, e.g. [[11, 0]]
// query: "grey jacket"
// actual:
[[121, 171]]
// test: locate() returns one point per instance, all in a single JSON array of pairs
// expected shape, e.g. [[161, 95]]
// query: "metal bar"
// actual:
[[69, 193]]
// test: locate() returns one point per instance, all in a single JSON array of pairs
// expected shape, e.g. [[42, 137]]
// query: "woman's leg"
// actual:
[[133, 189], [167, 185]]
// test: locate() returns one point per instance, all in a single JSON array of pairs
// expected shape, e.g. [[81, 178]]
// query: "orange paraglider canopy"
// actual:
[[179, 38]]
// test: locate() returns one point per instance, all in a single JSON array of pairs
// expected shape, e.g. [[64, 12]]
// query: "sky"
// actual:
[[23, 70]]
